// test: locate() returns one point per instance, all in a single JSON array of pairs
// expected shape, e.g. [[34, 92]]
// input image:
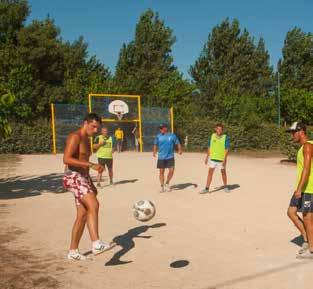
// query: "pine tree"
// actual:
[[146, 61]]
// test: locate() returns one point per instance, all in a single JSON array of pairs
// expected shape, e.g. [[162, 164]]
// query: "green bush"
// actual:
[[28, 139], [259, 137], [262, 137]]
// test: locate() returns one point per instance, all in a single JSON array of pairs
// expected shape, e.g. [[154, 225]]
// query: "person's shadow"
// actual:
[[127, 243], [298, 240], [229, 187], [183, 186], [122, 182]]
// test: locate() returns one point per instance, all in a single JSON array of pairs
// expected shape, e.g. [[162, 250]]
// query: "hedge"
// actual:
[[36, 138], [28, 138], [259, 137]]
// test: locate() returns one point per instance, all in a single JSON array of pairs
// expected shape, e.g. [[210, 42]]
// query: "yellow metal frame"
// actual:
[[172, 118], [114, 120], [54, 148]]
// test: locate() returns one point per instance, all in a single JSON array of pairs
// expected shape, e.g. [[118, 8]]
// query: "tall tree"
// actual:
[[38, 67], [297, 61], [13, 14], [147, 61], [230, 67]]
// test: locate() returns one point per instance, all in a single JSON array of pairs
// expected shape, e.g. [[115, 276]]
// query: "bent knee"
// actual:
[[292, 213]]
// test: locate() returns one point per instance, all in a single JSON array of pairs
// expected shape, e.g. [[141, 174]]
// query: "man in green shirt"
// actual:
[[302, 198], [218, 147], [104, 145]]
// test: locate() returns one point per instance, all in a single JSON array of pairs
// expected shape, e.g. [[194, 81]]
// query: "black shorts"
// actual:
[[304, 204], [106, 163], [166, 164]]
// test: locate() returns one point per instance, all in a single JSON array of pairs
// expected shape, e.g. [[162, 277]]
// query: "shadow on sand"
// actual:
[[183, 186], [122, 182], [126, 242], [30, 186], [230, 187], [299, 240]]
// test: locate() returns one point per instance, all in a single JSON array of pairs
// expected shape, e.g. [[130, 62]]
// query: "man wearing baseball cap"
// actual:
[[302, 198], [164, 144]]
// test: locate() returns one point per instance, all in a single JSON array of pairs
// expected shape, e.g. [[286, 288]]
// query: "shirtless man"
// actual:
[[77, 180]]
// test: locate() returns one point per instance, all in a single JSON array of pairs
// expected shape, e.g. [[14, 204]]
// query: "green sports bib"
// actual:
[[105, 151], [308, 187]]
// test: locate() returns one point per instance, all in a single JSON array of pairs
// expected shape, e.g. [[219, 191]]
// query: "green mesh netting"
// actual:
[[69, 117], [152, 117]]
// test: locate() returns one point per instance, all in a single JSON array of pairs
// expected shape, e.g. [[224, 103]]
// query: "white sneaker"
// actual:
[[304, 247], [307, 254], [204, 191], [75, 256], [162, 190], [102, 248], [167, 188]]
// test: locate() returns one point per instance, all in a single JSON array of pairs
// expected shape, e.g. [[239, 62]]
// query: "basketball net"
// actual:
[[119, 115]]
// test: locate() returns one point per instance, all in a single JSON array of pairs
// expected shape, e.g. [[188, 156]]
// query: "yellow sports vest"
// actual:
[[217, 147], [105, 151], [308, 187], [119, 134]]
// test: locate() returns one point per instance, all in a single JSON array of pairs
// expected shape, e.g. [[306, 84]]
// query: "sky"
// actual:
[[106, 25]]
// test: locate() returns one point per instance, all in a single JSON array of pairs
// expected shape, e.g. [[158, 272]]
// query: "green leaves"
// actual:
[[297, 62], [233, 74], [6, 103], [146, 62]]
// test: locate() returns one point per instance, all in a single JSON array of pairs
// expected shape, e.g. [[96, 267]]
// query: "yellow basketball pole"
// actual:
[[89, 103], [54, 149], [172, 118], [140, 128]]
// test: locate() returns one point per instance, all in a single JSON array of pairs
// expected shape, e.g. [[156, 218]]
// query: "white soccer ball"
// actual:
[[144, 210]]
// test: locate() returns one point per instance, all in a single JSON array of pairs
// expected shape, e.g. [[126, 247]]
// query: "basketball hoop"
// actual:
[[118, 108]]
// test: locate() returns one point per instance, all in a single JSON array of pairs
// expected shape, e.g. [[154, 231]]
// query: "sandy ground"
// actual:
[[238, 240]]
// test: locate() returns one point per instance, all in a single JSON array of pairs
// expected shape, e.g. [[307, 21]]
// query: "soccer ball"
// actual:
[[144, 210]]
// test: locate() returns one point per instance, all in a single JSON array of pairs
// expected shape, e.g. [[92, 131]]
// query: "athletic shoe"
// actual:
[[226, 189], [307, 254], [162, 190], [111, 183], [304, 247], [167, 188], [204, 191], [102, 248], [75, 256], [98, 185]]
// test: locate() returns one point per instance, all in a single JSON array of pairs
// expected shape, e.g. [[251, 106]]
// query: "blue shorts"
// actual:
[[304, 204], [166, 164]]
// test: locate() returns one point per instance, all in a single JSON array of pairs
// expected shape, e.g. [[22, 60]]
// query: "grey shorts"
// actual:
[[166, 164], [304, 204]]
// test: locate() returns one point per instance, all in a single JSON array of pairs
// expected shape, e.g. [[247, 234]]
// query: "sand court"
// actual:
[[240, 239]]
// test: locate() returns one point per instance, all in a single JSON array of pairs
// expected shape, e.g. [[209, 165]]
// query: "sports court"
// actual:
[[238, 240]]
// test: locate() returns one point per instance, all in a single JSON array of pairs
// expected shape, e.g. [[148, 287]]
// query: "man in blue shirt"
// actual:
[[164, 144]]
